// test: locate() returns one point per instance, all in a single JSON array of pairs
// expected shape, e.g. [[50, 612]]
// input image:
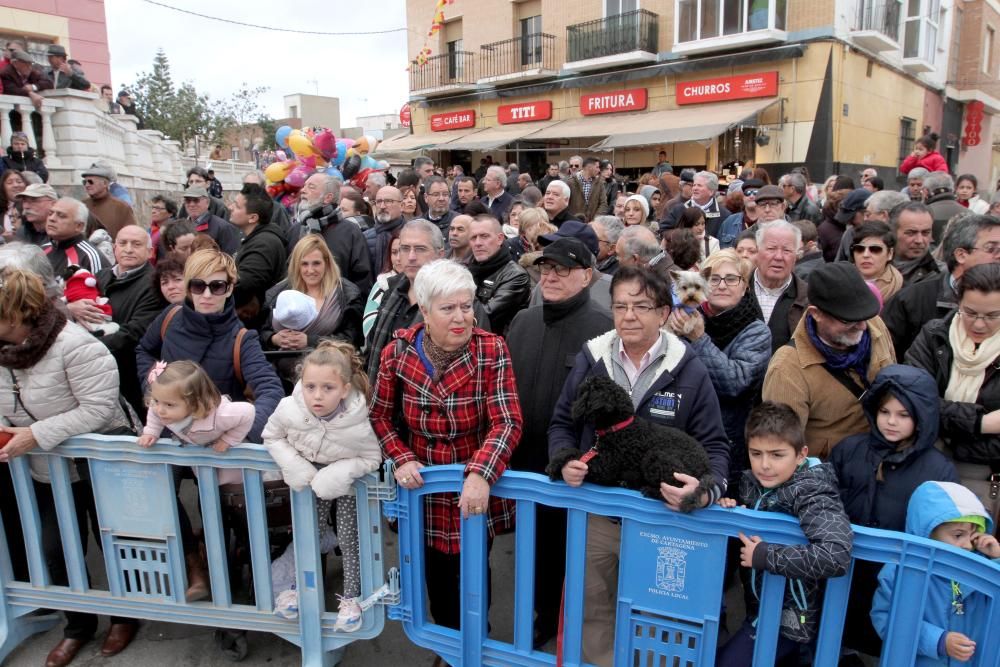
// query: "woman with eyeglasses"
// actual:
[[962, 351], [730, 337], [872, 252], [669, 385]]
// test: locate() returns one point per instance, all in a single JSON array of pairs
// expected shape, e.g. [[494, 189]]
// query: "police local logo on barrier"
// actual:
[[633, 99], [456, 120], [761, 84], [672, 570]]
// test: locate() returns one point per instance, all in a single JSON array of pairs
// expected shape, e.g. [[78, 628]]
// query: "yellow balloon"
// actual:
[[277, 171], [302, 145]]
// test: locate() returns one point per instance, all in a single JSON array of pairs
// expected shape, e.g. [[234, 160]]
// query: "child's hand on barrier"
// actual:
[[986, 544], [959, 647], [146, 440], [220, 446], [746, 551], [728, 503]]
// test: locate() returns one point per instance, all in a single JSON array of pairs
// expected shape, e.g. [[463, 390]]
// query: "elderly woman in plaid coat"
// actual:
[[445, 393]]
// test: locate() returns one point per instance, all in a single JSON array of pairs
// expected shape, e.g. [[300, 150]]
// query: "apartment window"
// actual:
[[988, 50], [704, 19], [234, 153], [907, 135], [531, 40], [615, 7], [920, 29], [456, 65], [293, 111]]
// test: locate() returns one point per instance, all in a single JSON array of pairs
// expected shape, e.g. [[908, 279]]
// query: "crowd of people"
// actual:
[[838, 363]]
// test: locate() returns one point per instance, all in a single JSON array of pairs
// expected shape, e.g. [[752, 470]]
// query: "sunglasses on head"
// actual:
[[216, 287]]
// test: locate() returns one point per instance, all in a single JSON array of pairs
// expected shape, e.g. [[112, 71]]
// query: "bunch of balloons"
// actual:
[[316, 150]]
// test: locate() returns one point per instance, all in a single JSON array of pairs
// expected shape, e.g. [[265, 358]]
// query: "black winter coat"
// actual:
[[960, 422], [914, 306], [858, 458], [503, 294], [543, 342], [943, 207], [261, 263], [209, 340], [24, 161], [227, 236]]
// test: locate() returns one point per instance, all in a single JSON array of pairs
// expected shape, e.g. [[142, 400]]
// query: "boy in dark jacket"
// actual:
[[782, 479], [21, 157], [878, 471]]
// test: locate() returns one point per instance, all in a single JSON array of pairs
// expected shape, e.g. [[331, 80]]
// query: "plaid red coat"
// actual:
[[471, 416]]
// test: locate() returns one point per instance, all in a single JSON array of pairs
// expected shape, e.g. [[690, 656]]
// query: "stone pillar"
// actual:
[[25, 110], [49, 144], [5, 127]]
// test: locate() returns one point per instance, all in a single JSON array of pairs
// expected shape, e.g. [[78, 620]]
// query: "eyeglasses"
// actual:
[[860, 248], [216, 287], [545, 268], [89, 181], [157, 208], [639, 309], [989, 249], [750, 193], [575, 166], [990, 319], [770, 203], [730, 280], [386, 202]]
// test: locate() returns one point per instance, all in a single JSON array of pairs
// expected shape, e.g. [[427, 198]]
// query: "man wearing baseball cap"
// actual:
[[837, 349], [36, 203], [540, 340]]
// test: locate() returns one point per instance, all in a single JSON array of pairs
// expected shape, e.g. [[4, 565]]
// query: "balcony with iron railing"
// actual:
[[704, 26], [527, 57], [621, 39], [448, 72], [877, 25]]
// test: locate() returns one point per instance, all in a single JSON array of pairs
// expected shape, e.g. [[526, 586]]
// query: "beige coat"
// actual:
[[345, 446], [829, 411], [71, 390]]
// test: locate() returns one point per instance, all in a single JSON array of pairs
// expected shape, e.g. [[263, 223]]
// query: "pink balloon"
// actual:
[[348, 142], [326, 143], [280, 154], [298, 177], [309, 162]]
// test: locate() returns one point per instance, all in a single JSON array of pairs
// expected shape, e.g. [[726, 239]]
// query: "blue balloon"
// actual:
[[368, 162], [333, 171], [341, 153], [281, 135]]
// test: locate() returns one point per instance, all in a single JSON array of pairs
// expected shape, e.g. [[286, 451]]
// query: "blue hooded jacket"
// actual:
[[932, 504], [857, 458]]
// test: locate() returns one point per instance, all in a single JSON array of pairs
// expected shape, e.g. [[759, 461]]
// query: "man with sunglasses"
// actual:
[[111, 212], [196, 203], [838, 348], [737, 223]]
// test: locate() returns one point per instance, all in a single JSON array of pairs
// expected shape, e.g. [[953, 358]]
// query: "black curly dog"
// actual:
[[637, 456]]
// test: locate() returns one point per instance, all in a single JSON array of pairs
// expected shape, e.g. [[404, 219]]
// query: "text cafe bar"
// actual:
[[454, 120]]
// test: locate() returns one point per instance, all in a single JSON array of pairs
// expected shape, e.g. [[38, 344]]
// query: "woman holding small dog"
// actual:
[[669, 385], [728, 334], [445, 393]]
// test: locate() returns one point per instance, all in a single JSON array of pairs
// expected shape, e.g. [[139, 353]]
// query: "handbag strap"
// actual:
[[237, 346], [17, 395], [847, 381], [166, 321]]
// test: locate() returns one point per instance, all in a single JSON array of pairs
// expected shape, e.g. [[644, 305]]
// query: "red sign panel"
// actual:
[[763, 84], [456, 120], [525, 112], [404, 115], [633, 99]]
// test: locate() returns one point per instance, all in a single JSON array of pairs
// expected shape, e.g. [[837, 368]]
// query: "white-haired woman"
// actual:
[[451, 385]]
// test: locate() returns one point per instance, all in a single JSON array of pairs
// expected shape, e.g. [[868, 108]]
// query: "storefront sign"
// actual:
[[525, 112], [763, 84], [973, 123], [456, 120], [633, 99], [404, 115]]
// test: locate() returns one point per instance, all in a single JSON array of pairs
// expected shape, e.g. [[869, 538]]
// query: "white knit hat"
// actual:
[[294, 310]]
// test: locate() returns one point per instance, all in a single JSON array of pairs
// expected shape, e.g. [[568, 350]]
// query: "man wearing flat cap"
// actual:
[[111, 212], [62, 73], [20, 77], [837, 349], [541, 339]]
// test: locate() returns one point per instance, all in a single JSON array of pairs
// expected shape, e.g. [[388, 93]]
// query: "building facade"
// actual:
[[836, 85]]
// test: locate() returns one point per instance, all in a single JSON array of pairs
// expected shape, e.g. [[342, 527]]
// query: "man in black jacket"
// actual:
[[502, 285], [972, 240], [196, 204], [913, 225], [261, 259], [543, 341], [437, 198], [134, 304]]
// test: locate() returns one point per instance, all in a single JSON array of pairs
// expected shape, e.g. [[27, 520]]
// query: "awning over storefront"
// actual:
[[416, 142], [495, 137], [695, 123]]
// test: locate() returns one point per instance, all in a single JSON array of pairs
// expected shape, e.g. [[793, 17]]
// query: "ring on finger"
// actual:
[[405, 480]]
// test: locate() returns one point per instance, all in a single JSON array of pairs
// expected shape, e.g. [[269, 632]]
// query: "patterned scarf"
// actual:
[[435, 357]]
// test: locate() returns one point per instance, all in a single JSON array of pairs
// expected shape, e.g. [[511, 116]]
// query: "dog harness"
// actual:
[[614, 428]]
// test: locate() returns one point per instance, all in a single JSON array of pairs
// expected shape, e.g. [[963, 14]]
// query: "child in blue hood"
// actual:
[[782, 479], [878, 471], [952, 621]]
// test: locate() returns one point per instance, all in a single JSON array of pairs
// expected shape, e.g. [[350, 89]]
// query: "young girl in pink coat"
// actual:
[[184, 399], [925, 155]]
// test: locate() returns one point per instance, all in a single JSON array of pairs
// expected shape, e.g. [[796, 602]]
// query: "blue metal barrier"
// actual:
[[670, 585], [144, 558]]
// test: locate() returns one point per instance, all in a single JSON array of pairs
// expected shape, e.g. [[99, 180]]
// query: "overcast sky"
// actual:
[[367, 73]]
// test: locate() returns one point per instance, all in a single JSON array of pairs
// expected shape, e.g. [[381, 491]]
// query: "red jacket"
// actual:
[[472, 415], [931, 162]]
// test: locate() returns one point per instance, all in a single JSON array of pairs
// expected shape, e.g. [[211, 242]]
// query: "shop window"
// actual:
[[920, 29], [705, 19], [531, 40], [907, 135]]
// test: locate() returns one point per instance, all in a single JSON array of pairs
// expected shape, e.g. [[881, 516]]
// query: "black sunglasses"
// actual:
[[859, 248], [216, 287]]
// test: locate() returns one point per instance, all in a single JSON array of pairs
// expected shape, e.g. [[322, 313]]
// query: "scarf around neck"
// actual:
[[553, 311], [855, 359], [723, 327], [51, 321], [969, 363], [482, 270], [435, 359]]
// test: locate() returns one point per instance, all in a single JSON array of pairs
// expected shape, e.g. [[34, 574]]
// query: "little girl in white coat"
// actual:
[[320, 437]]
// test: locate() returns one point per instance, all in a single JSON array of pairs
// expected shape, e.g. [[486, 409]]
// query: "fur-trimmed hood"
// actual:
[[604, 349]]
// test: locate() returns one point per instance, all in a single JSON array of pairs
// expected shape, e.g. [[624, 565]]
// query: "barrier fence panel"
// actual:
[[140, 537], [670, 584]]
